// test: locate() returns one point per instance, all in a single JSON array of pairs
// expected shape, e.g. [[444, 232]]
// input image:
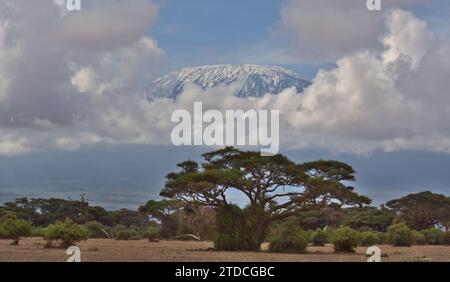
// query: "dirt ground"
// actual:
[[100, 250]]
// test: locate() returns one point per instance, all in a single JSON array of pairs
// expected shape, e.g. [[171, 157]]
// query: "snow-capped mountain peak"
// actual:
[[256, 80]]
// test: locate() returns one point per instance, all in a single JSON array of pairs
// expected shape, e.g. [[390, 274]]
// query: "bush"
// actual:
[[370, 238], [126, 235], [419, 238], [68, 232], [446, 240], [235, 229], [319, 238], [383, 237], [400, 235], [346, 240], [37, 232], [14, 229], [152, 234], [96, 230], [434, 236], [292, 239]]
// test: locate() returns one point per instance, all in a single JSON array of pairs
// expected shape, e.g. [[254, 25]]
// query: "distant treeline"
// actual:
[[174, 218]]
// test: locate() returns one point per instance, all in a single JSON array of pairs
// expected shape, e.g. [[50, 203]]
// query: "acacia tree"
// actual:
[[274, 186], [422, 210]]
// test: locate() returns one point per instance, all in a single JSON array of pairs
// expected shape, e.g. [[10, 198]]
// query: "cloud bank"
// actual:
[[72, 79]]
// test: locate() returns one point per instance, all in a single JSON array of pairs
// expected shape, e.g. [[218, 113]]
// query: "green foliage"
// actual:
[[37, 232], [419, 238], [237, 229], [152, 234], [42, 212], [446, 240], [291, 239], [346, 240], [68, 232], [369, 218], [320, 237], [96, 230], [422, 210], [127, 234], [14, 229], [434, 236], [319, 219], [369, 238], [383, 237], [400, 235]]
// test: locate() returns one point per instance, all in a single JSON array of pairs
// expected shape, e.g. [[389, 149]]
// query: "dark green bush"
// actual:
[[152, 233], [446, 238], [419, 238], [370, 238], [320, 238], [128, 234], [14, 229], [292, 239], [400, 235], [346, 240], [236, 229], [434, 236], [37, 232], [68, 232], [96, 230], [383, 237]]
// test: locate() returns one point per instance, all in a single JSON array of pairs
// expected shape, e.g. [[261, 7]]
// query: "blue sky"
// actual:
[[201, 32]]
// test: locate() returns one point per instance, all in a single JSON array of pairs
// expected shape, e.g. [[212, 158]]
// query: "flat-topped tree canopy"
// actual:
[[275, 184]]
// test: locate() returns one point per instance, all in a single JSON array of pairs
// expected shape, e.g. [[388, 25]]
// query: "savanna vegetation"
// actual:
[[288, 204]]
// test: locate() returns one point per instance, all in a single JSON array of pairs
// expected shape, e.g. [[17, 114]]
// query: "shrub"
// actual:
[[37, 232], [68, 232], [346, 240], [126, 235], [235, 229], [370, 238], [96, 230], [383, 237], [446, 240], [292, 239], [14, 229], [152, 234], [419, 238], [400, 235], [319, 237], [434, 236]]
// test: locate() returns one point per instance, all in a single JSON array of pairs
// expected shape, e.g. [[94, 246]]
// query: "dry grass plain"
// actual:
[[102, 250]]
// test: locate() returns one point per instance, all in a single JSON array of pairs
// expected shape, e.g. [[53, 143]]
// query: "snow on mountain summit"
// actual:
[[255, 80]]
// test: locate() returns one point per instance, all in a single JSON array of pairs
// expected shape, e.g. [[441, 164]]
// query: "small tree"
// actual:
[[345, 240], [419, 238], [320, 237], [434, 236], [14, 229], [291, 239], [422, 210], [68, 232], [400, 235], [369, 238]]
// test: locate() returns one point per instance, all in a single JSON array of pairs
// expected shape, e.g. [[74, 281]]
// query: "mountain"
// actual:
[[256, 80]]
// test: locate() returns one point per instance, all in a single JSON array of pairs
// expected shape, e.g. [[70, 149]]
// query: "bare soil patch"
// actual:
[[103, 250]]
